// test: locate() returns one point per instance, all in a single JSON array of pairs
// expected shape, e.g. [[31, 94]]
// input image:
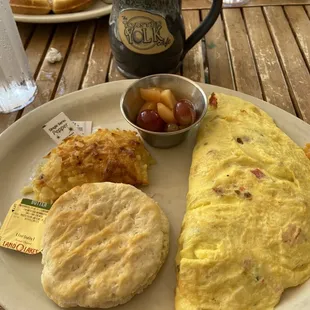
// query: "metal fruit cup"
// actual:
[[183, 88]]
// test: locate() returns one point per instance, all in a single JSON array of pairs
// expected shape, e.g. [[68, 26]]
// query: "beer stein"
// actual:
[[148, 36]]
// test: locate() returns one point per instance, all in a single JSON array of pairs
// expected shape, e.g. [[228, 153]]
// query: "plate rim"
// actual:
[[10, 282], [91, 89], [65, 18]]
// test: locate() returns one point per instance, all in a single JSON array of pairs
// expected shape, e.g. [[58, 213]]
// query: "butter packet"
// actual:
[[23, 226]]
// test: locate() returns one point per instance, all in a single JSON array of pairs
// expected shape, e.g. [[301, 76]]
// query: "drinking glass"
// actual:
[[234, 2], [228, 3], [17, 88]]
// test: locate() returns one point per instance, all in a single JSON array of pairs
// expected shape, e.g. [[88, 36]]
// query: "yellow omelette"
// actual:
[[246, 232]]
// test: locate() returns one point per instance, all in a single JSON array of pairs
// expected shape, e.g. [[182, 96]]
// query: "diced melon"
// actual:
[[166, 114], [168, 99], [149, 106], [150, 94]]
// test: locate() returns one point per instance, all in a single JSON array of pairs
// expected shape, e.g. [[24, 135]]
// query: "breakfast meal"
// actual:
[[106, 155], [163, 112], [41, 7], [246, 232], [103, 243], [245, 235]]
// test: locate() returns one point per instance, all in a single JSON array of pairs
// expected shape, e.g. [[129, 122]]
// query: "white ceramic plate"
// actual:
[[22, 147], [100, 8]]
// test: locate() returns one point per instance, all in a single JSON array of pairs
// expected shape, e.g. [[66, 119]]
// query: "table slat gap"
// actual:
[[204, 54], [272, 80], [25, 31], [99, 59], [228, 52], [246, 77], [218, 56], [300, 26], [307, 8], [205, 61], [49, 75], [114, 74], [193, 66], [109, 66], [293, 64], [71, 77], [44, 52]]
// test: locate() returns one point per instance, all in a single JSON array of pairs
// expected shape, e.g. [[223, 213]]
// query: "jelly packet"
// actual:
[[23, 226]]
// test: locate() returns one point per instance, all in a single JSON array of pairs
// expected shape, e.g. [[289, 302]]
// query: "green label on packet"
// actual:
[[36, 204]]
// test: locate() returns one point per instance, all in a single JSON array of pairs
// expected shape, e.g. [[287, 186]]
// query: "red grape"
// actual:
[[184, 112], [150, 120]]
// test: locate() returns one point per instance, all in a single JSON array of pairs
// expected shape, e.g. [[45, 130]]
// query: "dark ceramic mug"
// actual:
[[148, 36]]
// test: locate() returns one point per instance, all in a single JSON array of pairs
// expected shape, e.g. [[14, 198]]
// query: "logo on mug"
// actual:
[[144, 33]]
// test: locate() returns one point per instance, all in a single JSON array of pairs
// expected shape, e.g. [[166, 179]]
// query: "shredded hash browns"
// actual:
[[107, 155]]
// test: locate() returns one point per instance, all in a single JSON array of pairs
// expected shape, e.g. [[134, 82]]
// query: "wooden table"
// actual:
[[262, 49]]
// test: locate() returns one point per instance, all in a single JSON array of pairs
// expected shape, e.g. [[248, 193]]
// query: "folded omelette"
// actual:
[[246, 232]]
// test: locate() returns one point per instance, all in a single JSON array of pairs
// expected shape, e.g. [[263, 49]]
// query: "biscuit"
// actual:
[[103, 243]]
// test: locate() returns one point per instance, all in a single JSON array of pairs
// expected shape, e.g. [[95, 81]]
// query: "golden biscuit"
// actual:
[[103, 243]]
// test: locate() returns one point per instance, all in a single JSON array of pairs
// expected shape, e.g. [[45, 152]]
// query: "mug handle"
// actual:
[[204, 27]]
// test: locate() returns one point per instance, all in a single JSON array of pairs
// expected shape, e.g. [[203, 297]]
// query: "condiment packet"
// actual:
[[23, 226], [85, 128], [60, 127]]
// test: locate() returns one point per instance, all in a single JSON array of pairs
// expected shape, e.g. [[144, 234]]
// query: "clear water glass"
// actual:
[[234, 2], [17, 87], [229, 3]]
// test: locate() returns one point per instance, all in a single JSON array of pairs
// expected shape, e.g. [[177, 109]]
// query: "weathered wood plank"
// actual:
[[220, 71], [193, 64], [300, 24], [38, 45], [114, 74], [274, 86], [5, 121], [243, 64], [72, 76], [295, 69], [25, 32], [99, 59], [206, 4], [49, 74]]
